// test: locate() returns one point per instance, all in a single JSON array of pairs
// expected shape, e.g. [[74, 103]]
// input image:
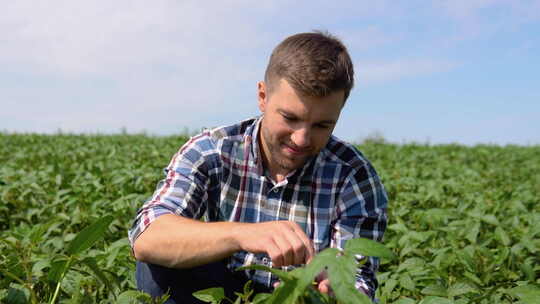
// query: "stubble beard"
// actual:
[[282, 160], [277, 157]]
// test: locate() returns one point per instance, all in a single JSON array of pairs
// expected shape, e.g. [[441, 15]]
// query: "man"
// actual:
[[276, 189]]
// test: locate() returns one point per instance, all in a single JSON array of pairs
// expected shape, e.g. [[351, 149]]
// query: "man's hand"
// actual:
[[177, 242], [284, 241], [323, 284]]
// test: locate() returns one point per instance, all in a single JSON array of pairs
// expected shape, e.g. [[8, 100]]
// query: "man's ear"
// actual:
[[262, 95]]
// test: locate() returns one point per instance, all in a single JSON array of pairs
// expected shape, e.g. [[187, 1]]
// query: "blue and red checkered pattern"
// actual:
[[335, 196]]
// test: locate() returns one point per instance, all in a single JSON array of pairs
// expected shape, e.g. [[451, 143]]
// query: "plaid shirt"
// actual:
[[334, 197]]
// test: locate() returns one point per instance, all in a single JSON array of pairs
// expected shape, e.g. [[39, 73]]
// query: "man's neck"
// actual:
[[276, 177], [279, 177]]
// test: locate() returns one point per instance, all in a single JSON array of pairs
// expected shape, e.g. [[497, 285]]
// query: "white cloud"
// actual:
[[104, 37], [103, 65], [161, 60], [158, 59]]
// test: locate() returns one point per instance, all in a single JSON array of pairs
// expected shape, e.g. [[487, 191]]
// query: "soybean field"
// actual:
[[464, 222]]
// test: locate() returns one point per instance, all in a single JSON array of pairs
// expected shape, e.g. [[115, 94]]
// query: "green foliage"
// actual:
[[89, 235], [464, 221], [211, 295], [296, 286], [527, 294], [52, 188]]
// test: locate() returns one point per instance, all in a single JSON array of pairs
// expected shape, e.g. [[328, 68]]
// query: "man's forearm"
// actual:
[[177, 242]]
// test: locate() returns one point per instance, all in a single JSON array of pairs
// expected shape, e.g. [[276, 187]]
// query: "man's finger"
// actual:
[[275, 253], [286, 251], [324, 286], [298, 250], [308, 244]]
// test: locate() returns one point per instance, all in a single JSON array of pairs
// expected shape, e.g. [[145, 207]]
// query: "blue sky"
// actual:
[[426, 71]]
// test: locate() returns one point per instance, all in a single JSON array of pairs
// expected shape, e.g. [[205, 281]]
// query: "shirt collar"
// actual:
[[253, 137]]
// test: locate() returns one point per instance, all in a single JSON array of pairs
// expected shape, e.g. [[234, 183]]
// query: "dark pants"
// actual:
[[182, 283]]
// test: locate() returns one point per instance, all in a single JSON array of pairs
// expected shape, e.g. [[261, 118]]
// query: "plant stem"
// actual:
[[57, 290], [13, 277]]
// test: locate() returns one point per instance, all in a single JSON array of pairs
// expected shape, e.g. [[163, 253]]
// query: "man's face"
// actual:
[[294, 127]]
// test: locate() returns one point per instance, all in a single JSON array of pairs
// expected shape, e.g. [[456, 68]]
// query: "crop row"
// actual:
[[464, 221]]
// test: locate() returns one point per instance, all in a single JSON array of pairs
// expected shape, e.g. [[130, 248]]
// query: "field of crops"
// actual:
[[464, 221]]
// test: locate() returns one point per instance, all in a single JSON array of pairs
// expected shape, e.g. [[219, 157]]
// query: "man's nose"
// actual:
[[301, 138]]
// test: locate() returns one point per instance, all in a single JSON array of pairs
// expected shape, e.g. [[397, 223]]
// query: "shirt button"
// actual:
[[276, 190]]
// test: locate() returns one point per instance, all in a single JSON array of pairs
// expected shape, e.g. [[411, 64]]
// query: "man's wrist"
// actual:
[[236, 233]]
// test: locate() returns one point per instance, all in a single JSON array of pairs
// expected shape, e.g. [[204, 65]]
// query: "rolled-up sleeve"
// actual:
[[361, 212], [183, 191]]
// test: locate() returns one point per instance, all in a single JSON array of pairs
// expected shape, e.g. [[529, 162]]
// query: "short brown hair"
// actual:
[[314, 64]]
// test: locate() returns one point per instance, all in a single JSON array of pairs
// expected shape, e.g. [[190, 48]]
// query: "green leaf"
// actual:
[[314, 297], [502, 236], [404, 301], [472, 233], [341, 270], [286, 292], [490, 219], [58, 268], [347, 294], [261, 298], [389, 285], [212, 295], [38, 232], [398, 227], [17, 296], [473, 278], [411, 264], [247, 288], [294, 283], [459, 289], [93, 266], [466, 260], [37, 268], [436, 300], [528, 294], [58, 179], [528, 271], [368, 247], [89, 235], [341, 273], [434, 290], [406, 282], [502, 254], [420, 236], [133, 297], [316, 266]]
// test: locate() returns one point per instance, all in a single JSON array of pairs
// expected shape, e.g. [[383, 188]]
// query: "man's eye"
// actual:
[[289, 118]]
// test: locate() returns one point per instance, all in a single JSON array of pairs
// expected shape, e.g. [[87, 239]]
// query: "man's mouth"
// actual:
[[295, 151]]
